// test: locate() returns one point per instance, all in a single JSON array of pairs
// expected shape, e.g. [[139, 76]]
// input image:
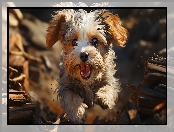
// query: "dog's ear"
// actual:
[[55, 28], [118, 33]]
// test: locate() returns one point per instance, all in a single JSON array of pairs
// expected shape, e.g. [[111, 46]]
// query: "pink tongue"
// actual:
[[85, 70]]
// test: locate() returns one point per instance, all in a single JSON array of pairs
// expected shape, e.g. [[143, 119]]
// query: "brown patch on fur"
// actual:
[[68, 48], [119, 33], [95, 35], [102, 45], [91, 36], [53, 30], [56, 26]]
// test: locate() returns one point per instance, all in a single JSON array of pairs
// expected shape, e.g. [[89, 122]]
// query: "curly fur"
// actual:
[[76, 93]]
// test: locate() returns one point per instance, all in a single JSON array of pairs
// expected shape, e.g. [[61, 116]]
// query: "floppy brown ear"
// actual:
[[119, 34], [54, 29]]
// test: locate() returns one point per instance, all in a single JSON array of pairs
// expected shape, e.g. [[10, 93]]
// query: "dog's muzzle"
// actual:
[[85, 69]]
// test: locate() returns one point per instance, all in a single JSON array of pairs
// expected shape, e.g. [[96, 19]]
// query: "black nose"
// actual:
[[84, 56]]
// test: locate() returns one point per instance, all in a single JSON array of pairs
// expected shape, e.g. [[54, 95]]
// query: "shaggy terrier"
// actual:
[[87, 59]]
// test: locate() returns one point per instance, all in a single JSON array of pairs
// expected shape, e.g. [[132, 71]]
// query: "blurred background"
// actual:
[[147, 35]]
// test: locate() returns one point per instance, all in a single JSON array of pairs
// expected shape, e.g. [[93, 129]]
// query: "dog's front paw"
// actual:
[[78, 116], [106, 98], [81, 111]]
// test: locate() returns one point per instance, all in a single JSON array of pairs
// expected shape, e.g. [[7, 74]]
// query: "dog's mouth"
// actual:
[[85, 70]]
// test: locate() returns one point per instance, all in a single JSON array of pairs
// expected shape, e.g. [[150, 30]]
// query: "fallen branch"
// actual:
[[26, 55], [13, 70], [20, 78]]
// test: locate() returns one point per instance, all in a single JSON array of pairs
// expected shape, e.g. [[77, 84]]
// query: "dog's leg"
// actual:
[[73, 106], [106, 97]]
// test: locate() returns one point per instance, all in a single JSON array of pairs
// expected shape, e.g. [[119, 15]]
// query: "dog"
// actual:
[[87, 65]]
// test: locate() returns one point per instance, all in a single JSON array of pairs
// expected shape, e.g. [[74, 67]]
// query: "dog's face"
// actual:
[[86, 39]]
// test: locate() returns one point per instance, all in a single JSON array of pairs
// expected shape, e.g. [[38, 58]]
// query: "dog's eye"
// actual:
[[74, 42], [94, 42]]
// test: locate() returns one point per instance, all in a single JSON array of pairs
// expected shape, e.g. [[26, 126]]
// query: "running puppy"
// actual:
[[87, 66]]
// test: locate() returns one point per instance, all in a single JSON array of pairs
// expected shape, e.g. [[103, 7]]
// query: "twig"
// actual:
[[20, 78], [13, 70], [26, 55]]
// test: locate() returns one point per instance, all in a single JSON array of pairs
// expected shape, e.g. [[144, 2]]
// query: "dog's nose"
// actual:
[[84, 56]]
